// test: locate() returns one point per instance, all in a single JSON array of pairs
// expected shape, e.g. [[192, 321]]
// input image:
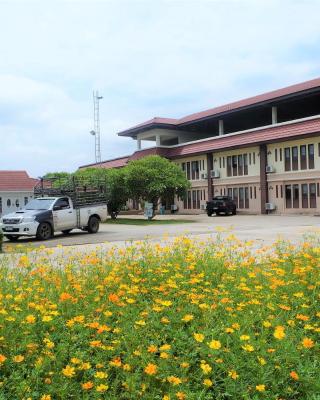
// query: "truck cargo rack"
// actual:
[[83, 192]]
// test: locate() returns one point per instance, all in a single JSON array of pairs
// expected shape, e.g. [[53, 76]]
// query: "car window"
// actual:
[[62, 203]]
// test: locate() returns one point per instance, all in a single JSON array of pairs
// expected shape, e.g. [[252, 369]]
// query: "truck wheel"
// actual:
[[66, 231], [44, 231], [12, 238], [93, 225]]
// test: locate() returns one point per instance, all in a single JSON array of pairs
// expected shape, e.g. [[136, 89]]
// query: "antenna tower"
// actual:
[[96, 129]]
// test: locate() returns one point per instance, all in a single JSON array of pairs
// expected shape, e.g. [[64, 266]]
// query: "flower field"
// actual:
[[180, 320]]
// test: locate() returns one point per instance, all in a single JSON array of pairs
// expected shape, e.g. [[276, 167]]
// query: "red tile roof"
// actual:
[[16, 181], [113, 163], [273, 95], [281, 132]]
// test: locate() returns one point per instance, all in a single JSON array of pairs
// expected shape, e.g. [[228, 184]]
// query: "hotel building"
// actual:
[[263, 151]]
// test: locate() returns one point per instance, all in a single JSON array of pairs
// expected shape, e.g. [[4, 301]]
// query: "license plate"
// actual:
[[9, 228]]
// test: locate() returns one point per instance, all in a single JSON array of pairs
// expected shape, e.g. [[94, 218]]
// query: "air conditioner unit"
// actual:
[[214, 174], [270, 169], [204, 176], [202, 207], [270, 206]]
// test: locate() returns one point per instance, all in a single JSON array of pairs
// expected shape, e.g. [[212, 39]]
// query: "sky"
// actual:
[[147, 58]]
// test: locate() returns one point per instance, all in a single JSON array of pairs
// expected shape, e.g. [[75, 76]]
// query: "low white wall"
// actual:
[[13, 201]]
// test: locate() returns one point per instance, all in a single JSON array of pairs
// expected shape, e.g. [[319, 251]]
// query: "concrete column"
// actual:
[[209, 168], [158, 141], [221, 128], [263, 178], [274, 115], [138, 144]]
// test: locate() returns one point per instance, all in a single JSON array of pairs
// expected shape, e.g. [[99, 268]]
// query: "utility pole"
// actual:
[[96, 124]]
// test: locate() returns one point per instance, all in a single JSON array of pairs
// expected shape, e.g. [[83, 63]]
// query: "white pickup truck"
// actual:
[[43, 216]]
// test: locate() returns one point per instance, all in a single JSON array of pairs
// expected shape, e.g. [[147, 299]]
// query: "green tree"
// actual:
[[155, 177], [117, 190]]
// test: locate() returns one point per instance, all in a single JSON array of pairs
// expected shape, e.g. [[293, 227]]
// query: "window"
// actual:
[[234, 165], [235, 196], [277, 193], [17, 203], [304, 191], [26, 201], [250, 192], [0, 206], [319, 149], [229, 190], [295, 192], [194, 199], [312, 195], [229, 166], [287, 159], [8, 203], [223, 162], [303, 157], [220, 165], [62, 204], [240, 165], [198, 198], [275, 155], [295, 158], [241, 198], [245, 164], [311, 156], [246, 197], [281, 191], [254, 157], [255, 192], [189, 199], [288, 196], [249, 158], [318, 189], [280, 153], [194, 170], [183, 166], [188, 171]]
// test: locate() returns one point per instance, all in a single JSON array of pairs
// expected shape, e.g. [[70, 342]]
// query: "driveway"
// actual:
[[262, 228]]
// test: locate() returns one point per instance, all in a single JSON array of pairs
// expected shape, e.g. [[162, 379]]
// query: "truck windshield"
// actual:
[[39, 204]]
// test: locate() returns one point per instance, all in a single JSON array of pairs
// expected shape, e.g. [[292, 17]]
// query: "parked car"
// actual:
[[221, 204], [43, 216]]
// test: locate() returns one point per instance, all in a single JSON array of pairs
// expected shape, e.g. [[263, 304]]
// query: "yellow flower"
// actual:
[[102, 388], [164, 355], [233, 375], [45, 397], [266, 324], [260, 388], [18, 359], [187, 318], [199, 337], [31, 319], [174, 380], [248, 347], [150, 369], [165, 347], [215, 344], [184, 365], [101, 375], [307, 343], [46, 318], [244, 337], [279, 332], [68, 371], [87, 385], [208, 382], [180, 396], [85, 366], [206, 368]]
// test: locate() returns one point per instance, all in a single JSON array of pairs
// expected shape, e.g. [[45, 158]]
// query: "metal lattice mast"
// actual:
[[96, 131]]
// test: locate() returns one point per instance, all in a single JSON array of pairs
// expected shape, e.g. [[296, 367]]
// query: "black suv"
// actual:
[[221, 204]]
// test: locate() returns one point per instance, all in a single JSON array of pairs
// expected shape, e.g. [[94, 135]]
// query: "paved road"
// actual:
[[264, 229]]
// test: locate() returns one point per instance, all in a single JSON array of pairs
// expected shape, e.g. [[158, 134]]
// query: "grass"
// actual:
[[181, 320], [140, 221]]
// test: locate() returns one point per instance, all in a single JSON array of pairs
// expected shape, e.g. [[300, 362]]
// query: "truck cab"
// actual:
[[43, 216]]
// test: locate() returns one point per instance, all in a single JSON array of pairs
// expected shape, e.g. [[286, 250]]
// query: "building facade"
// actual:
[[263, 151], [16, 189]]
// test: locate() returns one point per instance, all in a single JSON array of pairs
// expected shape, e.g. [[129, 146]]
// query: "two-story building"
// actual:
[[263, 151]]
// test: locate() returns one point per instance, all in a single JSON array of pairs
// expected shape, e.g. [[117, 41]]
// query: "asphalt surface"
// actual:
[[262, 228]]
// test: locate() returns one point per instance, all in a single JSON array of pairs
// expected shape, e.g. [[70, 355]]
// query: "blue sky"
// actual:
[[147, 58]]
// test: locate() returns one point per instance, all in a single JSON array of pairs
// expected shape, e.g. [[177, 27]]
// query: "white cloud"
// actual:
[[164, 58]]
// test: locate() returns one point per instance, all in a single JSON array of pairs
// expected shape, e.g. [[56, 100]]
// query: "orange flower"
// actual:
[[65, 296], [87, 385], [307, 343], [294, 375], [151, 369], [2, 358], [152, 349], [114, 298]]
